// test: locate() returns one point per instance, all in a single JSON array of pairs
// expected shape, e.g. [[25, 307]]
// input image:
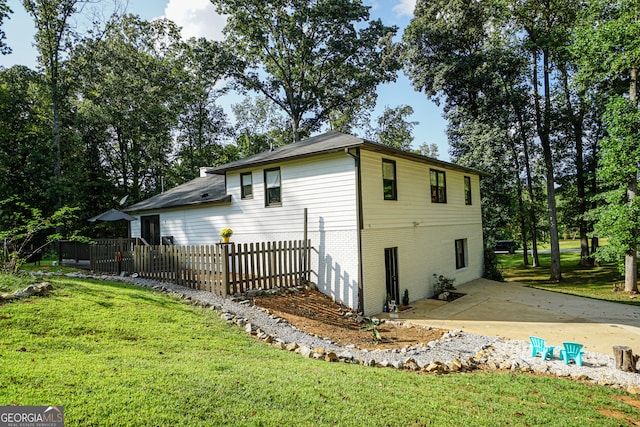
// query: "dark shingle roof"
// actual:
[[325, 143], [208, 189]]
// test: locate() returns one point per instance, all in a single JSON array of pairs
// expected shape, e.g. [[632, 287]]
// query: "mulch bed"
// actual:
[[317, 314]]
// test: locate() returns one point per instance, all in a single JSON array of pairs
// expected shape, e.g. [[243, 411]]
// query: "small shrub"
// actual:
[[443, 284], [491, 269]]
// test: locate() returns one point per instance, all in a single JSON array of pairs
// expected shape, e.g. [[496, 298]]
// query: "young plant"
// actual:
[[373, 325]]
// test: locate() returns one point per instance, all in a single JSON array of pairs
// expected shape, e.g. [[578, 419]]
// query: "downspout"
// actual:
[[356, 158]]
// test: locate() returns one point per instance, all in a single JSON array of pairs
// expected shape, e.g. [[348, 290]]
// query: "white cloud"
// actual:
[[405, 8], [198, 18]]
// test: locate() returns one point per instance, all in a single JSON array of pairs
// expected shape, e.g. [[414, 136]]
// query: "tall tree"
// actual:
[[25, 138], [259, 126], [53, 40], [202, 131], [310, 57], [131, 80], [610, 50]]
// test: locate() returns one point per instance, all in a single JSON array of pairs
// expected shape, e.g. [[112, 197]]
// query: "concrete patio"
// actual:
[[515, 311]]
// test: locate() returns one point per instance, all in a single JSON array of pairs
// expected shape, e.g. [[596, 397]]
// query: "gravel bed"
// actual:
[[455, 351]]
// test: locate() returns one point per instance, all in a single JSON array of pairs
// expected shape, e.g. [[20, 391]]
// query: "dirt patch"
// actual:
[[616, 415], [630, 401], [317, 314]]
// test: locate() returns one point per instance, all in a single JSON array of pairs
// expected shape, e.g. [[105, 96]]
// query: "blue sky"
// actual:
[[199, 19]]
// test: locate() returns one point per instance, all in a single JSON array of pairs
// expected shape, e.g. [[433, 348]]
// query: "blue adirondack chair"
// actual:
[[539, 347], [572, 351]]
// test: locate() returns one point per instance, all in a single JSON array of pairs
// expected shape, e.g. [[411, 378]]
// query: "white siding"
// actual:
[[414, 196], [424, 232], [326, 187], [422, 252]]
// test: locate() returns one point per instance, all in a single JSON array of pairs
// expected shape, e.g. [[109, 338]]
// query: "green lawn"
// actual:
[[115, 354], [592, 282]]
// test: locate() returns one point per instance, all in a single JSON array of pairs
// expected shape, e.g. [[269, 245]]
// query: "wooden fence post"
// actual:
[[225, 270]]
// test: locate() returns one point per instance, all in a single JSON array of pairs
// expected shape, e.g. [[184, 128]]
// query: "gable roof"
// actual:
[[327, 143], [208, 189], [212, 188]]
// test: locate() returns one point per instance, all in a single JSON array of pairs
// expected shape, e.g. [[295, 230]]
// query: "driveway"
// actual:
[[515, 311]]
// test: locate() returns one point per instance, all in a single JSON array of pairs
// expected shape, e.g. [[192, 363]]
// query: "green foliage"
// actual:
[[373, 325], [121, 355], [491, 268], [5, 11], [442, 284], [23, 223], [311, 58], [394, 129], [132, 98], [618, 218], [26, 164], [260, 126], [202, 129]]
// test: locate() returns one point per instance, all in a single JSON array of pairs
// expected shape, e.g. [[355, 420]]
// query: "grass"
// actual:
[[592, 282], [115, 354]]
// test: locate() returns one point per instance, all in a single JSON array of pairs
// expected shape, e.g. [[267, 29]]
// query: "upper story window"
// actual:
[[389, 179], [246, 185], [467, 190], [272, 187], [438, 186]]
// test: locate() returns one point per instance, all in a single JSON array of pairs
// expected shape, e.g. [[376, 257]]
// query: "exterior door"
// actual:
[[391, 272], [150, 229]]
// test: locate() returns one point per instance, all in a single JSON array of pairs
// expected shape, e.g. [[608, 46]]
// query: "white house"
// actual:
[[380, 220]]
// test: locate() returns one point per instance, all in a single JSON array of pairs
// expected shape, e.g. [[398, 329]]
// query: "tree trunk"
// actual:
[[631, 256], [576, 124], [625, 359], [532, 212], [521, 209], [543, 124], [527, 167]]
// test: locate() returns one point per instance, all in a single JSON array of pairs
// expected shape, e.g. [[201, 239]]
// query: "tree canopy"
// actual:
[[311, 58]]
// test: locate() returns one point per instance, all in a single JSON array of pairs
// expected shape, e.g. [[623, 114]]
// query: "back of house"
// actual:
[[380, 220]]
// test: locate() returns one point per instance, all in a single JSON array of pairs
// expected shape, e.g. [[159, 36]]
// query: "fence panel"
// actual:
[[220, 268]]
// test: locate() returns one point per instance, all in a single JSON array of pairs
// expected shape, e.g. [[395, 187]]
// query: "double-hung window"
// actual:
[[438, 186], [389, 180], [467, 190], [272, 187], [246, 185]]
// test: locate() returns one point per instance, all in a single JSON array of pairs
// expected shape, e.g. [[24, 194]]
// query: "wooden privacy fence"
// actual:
[[224, 268]]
